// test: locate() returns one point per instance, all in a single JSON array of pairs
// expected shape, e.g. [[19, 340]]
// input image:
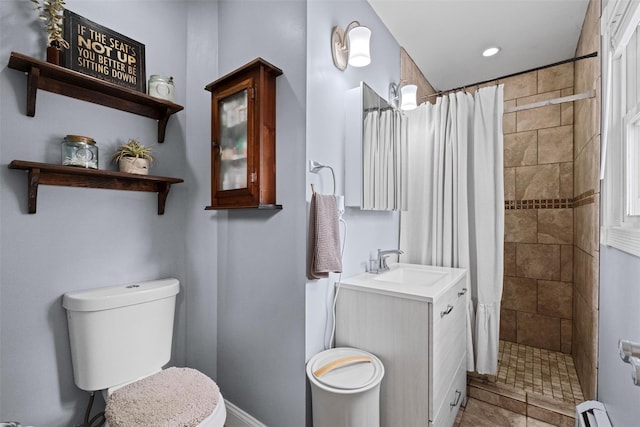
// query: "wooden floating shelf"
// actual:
[[72, 176], [266, 207], [63, 81]]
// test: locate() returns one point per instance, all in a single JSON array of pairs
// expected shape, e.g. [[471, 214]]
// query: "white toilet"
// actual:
[[120, 339]]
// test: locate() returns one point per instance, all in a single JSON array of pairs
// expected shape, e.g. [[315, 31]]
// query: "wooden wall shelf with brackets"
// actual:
[[63, 81], [72, 176]]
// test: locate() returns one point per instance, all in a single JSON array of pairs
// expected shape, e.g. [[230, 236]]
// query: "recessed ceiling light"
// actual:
[[491, 51]]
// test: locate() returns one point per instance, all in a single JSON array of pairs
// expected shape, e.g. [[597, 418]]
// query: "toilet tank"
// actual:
[[120, 333]]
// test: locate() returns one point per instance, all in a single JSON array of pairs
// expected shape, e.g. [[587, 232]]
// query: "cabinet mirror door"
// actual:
[[232, 116]]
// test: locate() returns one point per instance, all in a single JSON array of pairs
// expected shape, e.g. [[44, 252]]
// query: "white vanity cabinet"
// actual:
[[419, 333]]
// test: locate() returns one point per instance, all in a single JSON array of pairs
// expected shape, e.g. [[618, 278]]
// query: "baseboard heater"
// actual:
[[592, 414]]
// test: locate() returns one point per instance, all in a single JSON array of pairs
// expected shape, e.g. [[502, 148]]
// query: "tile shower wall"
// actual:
[[587, 205], [537, 300]]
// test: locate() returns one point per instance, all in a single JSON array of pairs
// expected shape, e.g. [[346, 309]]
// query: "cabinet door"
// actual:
[[233, 131]]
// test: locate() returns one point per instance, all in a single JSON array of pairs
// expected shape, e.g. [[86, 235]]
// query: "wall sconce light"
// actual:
[[407, 96], [350, 46]]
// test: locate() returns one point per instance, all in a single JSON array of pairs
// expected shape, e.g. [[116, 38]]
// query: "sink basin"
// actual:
[[414, 281], [411, 276]]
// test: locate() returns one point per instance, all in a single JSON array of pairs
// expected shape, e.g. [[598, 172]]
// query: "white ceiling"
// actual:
[[446, 38]]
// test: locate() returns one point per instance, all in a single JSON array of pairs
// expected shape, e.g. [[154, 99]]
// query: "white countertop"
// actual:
[[413, 281]]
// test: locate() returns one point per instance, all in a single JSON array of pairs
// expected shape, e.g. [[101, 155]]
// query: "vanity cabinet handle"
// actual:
[[447, 311], [462, 292], [457, 399]]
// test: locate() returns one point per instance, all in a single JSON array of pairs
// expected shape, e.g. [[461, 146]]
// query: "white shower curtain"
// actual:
[[455, 212]]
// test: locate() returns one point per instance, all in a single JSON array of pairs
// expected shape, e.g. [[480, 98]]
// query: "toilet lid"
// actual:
[[346, 369], [175, 396]]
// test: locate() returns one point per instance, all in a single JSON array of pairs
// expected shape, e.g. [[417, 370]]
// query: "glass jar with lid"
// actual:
[[161, 87], [80, 151]]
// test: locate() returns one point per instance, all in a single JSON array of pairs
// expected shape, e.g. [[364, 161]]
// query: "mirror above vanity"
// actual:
[[375, 152]]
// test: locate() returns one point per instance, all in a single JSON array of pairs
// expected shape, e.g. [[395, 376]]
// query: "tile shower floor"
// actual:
[[533, 388], [544, 372]]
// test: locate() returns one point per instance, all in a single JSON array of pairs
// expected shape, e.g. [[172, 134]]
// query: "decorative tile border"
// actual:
[[538, 204], [580, 200], [585, 198]]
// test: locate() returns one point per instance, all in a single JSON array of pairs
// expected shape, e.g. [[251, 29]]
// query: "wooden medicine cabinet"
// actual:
[[243, 138]]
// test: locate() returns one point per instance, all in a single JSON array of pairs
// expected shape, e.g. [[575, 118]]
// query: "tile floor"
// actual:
[[481, 414], [544, 372], [532, 385]]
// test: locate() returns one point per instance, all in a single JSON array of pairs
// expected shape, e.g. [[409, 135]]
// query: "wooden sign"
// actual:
[[103, 53]]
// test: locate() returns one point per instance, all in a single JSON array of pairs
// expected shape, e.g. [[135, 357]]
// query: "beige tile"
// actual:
[[586, 277], [521, 149], [481, 414], [555, 226], [520, 294], [586, 234], [558, 77], [532, 422], [586, 119], [496, 387], [538, 261], [509, 123], [587, 167], [509, 259], [510, 183], [565, 335], [538, 182], [555, 299], [508, 325], [521, 225], [539, 331], [566, 109], [585, 340], [566, 180], [589, 38], [558, 406], [520, 86], [538, 118], [555, 145], [566, 263]]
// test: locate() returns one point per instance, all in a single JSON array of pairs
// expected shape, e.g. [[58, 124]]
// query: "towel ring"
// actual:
[[315, 167]]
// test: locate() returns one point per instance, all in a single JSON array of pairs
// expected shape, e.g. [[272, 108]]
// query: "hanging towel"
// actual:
[[323, 254]]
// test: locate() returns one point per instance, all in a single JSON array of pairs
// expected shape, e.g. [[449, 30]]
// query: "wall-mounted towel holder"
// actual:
[[315, 167]]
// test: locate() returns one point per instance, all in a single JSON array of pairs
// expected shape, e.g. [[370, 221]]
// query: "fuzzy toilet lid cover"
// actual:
[[172, 397]]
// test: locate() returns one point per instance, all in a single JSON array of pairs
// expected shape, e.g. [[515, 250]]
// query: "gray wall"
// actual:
[[201, 230], [241, 315], [79, 238], [326, 89], [261, 254], [619, 319]]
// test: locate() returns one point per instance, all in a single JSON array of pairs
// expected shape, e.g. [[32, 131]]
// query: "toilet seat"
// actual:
[[175, 396]]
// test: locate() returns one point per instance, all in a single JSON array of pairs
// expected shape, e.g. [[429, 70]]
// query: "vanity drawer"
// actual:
[[449, 341], [455, 396]]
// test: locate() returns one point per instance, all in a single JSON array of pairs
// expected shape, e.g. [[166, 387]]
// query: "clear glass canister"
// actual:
[[161, 87], [79, 151]]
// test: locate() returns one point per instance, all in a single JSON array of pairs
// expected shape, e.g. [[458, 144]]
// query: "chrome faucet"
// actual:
[[380, 265]]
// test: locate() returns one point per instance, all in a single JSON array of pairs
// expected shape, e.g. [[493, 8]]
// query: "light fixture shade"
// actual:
[[409, 95], [359, 55]]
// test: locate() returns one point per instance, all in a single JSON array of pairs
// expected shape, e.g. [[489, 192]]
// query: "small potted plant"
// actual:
[[51, 13], [133, 157]]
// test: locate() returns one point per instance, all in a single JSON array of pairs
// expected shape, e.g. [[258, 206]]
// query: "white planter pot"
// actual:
[[134, 165]]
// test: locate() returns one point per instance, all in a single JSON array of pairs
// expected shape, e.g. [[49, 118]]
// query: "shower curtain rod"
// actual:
[[577, 58]]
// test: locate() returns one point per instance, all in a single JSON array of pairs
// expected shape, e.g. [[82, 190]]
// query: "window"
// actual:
[[621, 126]]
